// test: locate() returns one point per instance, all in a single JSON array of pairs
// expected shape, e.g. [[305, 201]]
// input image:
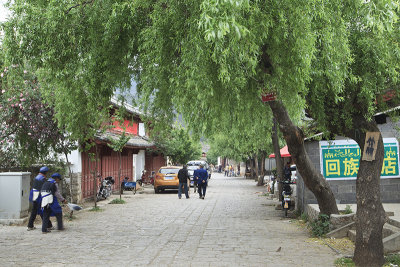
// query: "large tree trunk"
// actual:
[[256, 167], [262, 173], [313, 180], [370, 213], [278, 159], [251, 168]]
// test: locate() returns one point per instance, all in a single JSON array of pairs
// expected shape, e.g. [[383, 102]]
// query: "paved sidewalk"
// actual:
[[233, 226]]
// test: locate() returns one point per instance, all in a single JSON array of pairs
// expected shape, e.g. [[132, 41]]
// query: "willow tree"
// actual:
[[203, 58], [373, 41]]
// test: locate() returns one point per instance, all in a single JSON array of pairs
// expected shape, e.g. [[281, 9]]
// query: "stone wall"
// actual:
[[76, 187], [344, 190]]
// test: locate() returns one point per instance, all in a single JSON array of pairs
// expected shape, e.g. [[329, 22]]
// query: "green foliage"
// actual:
[[177, 144], [320, 227], [117, 201], [392, 260], [28, 130], [96, 209], [348, 210], [344, 262], [304, 217]]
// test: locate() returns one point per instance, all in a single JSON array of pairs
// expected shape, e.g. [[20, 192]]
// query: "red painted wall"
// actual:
[[130, 126], [108, 165]]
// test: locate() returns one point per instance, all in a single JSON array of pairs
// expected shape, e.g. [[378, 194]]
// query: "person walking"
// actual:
[[50, 205], [35, 198], [183, 177], [226, 170], [202, 177]]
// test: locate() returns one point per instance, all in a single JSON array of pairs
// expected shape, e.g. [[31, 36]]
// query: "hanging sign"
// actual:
[[339, 159], [371, 143], [266, 97]]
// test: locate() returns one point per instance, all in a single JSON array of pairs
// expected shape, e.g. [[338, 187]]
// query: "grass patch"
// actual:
[[97, 208], [347, 262], [117, 201], [390, 260], [69, 217]]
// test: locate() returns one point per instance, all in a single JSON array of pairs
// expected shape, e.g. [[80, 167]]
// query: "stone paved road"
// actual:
[[233, 226]]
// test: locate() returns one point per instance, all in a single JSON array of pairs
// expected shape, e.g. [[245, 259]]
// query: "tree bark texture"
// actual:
[[313, 180], [119, 173], [262, 168], [278, 159], [370, 216], [256, 167]]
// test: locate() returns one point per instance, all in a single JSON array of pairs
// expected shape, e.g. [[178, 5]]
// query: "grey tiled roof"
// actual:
[[134, 141]]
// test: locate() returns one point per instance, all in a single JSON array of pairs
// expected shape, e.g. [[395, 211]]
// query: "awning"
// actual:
[[284, 153]]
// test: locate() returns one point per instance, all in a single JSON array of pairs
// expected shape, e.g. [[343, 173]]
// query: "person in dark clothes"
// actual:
[[50, 202], [183, 177], [287, 172], [35, 198], [202, 177]]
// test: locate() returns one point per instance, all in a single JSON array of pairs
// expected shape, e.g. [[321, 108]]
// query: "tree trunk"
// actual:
[[95, 176], [256, 167], [262, 174], [312, 178], [70, 176], [370, 216], [278, 159], [119, 175], [251, 168]]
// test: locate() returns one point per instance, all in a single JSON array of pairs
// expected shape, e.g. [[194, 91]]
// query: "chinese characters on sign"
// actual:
[[340, 159], [371, 143]]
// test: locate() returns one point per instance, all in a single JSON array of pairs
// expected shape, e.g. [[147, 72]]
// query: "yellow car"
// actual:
[[166, 178]]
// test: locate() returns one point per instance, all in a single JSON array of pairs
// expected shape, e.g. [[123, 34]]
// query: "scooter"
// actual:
[[286, 196], [105, 188]]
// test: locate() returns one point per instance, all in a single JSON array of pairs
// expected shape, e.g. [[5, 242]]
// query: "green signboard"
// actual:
[[340, 159]]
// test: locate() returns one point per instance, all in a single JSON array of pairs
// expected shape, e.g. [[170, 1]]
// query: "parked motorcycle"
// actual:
[[286, 195], [105, 189]]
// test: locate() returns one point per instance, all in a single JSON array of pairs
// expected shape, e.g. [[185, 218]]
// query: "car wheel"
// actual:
[[156, 191]]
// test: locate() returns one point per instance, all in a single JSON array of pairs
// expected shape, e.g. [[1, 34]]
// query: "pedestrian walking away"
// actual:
[[202, 176], [35, 198], [287, 172], [183, 177], [50, 205]]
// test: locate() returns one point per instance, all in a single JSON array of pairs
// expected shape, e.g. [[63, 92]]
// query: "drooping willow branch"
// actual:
[[82, 4]]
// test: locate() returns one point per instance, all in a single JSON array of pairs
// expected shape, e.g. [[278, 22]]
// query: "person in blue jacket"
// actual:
[[202, 177], [34, 196], [50, 202]]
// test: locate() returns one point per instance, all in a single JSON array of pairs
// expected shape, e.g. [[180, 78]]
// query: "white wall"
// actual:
[[75, 159], [142, 131], [139, 161]]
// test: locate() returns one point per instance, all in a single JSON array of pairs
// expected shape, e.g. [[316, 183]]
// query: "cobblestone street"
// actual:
[[235, 225]]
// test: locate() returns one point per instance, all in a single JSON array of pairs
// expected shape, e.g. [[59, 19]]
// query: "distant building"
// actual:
[[136, 156]]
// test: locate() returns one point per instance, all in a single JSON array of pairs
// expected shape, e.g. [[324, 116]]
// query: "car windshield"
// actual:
[[192, 168], [169, 171]]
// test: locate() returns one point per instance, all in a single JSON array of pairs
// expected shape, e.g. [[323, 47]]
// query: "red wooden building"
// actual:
[[136, 156]]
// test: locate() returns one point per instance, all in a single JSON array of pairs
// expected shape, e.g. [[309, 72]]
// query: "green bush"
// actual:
[[320, 227], [304, 217]]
